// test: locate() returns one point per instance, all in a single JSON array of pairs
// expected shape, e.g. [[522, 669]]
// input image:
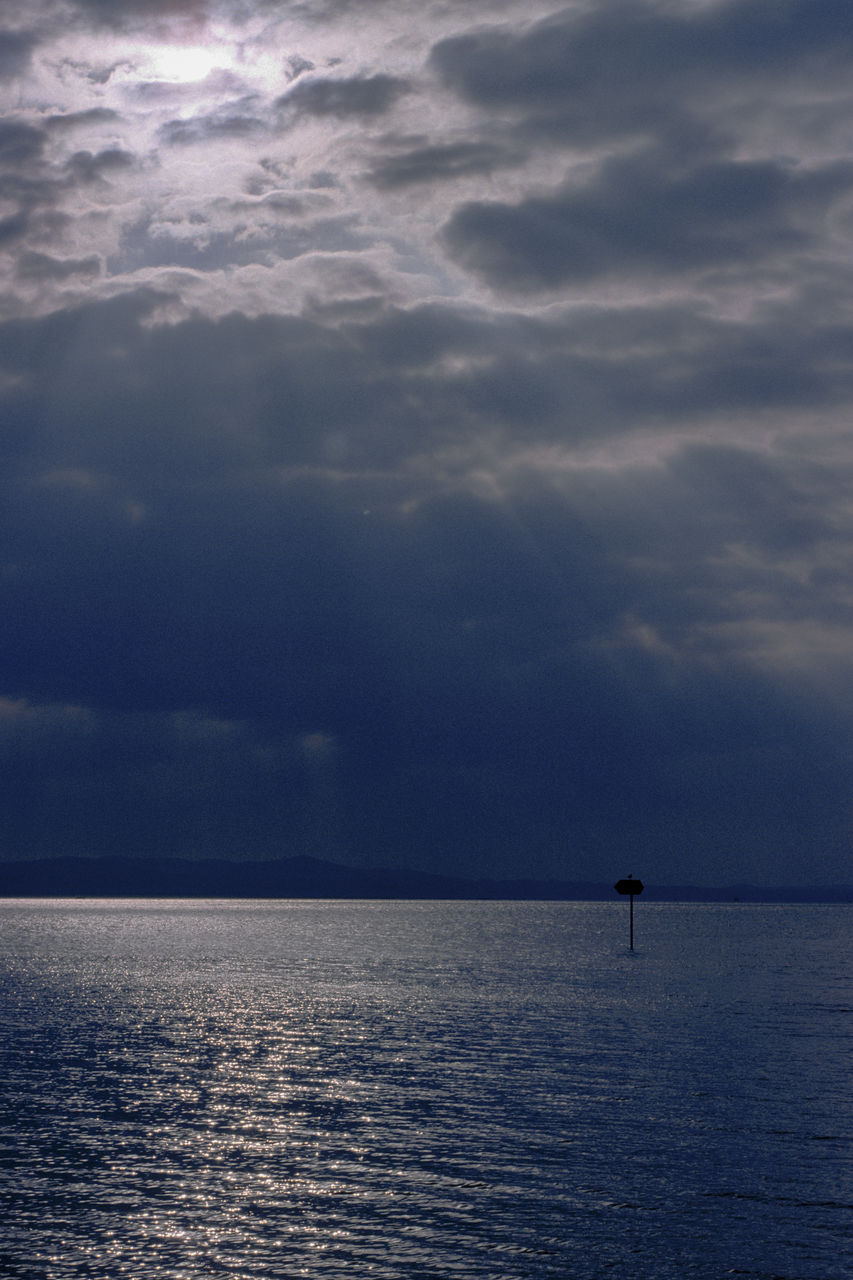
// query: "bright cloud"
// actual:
[[184, 64]]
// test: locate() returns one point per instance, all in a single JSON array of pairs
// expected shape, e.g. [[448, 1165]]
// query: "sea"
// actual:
[[257, 1090]]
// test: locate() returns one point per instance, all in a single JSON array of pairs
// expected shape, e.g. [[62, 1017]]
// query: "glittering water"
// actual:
[[407, 1090]]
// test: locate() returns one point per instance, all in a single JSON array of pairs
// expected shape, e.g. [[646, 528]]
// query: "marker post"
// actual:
[[631, 887]]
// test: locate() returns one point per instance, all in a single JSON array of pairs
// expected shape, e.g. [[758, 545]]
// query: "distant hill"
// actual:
[[312, 878]]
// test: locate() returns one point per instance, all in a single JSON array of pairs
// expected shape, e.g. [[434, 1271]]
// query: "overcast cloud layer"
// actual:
[[425, 434]]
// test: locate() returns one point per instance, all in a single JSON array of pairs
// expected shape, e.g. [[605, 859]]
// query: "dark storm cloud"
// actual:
[[407, 380], [81, 119], [297, 66], [621, 68], [40, 266], [396, 636], [293, 560], [20, 144], [131, 12], [440, 162], [225, 123], [284, 205], [753, 500], [634, 69], [85, 167], [640, 217], [71, 778], [13, 228], [15, 50], [298, 392], [597, 371], [23, 180], [358, 96], [175, 503], [381, 392]]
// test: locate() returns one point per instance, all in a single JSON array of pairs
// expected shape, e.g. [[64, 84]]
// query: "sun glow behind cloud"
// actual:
[[185, 64], [245, 54]]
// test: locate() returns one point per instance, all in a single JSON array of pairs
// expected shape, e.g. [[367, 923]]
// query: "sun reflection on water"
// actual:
[[244, 1096]]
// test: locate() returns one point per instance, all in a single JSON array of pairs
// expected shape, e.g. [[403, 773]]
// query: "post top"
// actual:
[[629, 885]]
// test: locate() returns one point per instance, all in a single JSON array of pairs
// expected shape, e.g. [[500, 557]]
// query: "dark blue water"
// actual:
[[400, 1090]]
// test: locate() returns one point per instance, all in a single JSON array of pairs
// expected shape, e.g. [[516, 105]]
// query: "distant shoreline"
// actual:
[[303, 877]]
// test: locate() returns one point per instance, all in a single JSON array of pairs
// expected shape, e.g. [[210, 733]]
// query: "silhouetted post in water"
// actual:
[[632, 887]]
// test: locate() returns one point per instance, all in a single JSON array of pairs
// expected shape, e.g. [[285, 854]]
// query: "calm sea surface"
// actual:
[[390, 1090]]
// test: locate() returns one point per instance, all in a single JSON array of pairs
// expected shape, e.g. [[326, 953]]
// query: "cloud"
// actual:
[[621, 69], [403, 635], [71, 120], [40, 266], [426, 439], [74, 777], [440, 163], [15, 50], [13, 228], [639, 216], [411, 405], [222, 125], [205, 244], [129, 14], [86, 167], [216, 84], [356, 96], [20, 144]]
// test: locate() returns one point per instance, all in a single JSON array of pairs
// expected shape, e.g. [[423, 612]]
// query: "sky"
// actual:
[[424, 434]]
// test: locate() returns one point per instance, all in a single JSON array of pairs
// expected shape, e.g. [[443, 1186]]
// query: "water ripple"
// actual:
[[401, 1090]]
